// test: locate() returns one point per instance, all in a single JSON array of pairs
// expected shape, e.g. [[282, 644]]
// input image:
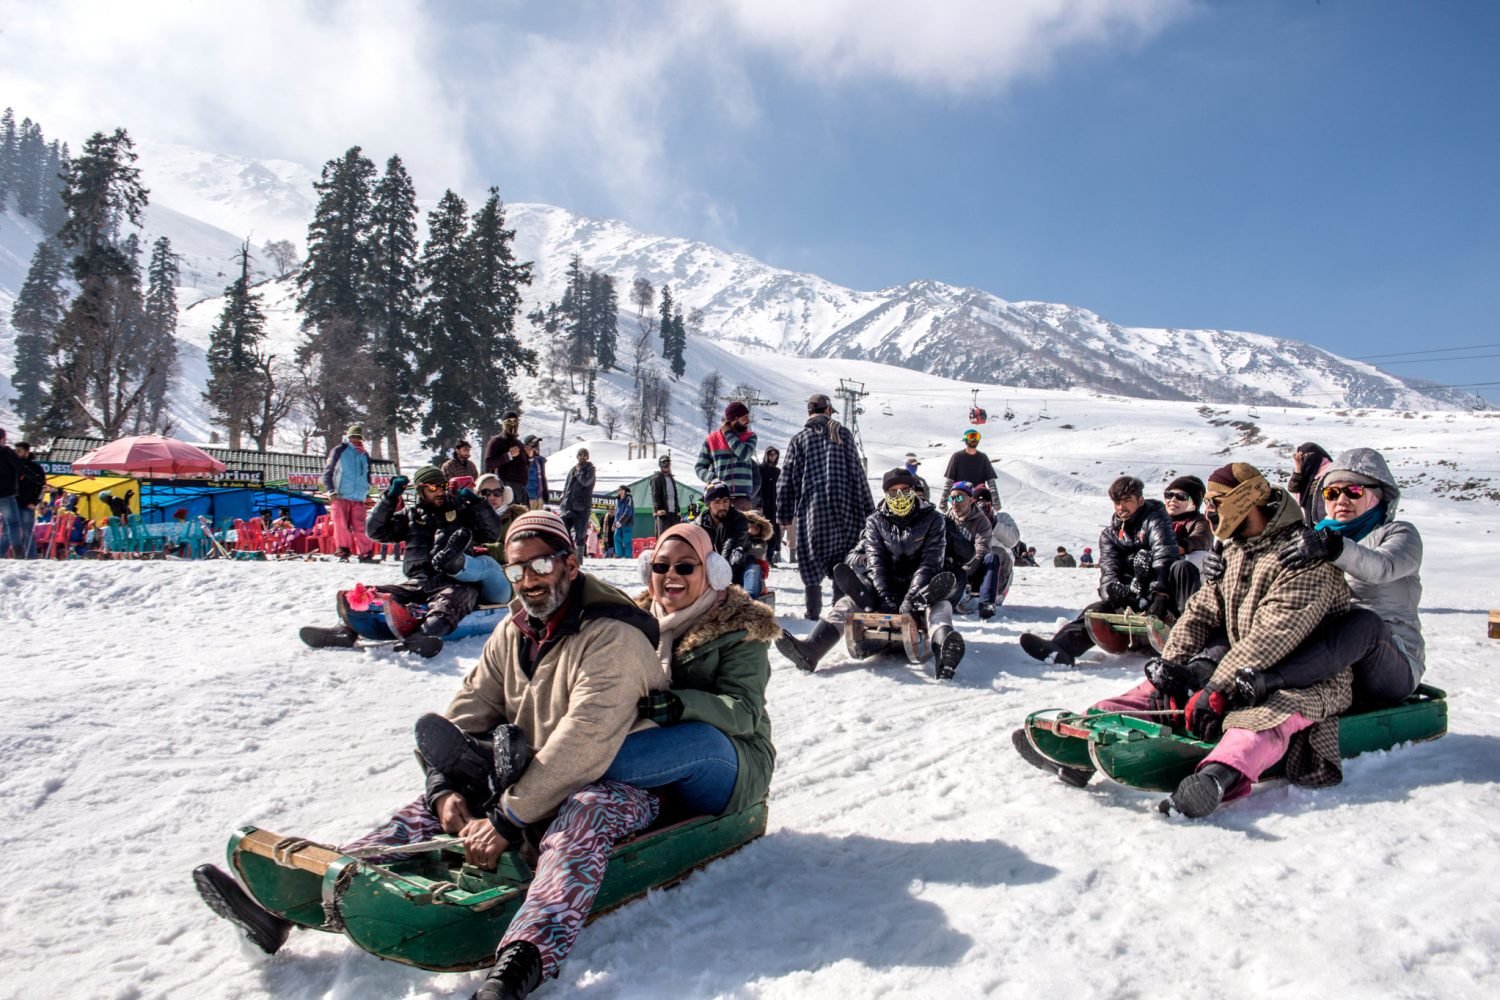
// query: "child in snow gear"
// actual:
[[1138, 557], [899, 555]]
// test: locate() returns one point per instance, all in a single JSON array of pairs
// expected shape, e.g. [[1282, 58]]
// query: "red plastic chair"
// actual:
[[639, 545], [249, 536]]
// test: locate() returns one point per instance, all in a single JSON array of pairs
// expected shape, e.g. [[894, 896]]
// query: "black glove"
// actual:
[[662, 707], [1213, 564], [449, 557], [1309, 547], [1118, 593], [1173, 682], [1158, 606], [397, 487], [1140, 564], [1205, 715], [468, 498], [1252, 687]]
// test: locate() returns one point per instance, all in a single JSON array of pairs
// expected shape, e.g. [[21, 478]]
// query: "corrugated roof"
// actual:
[[276, 466]]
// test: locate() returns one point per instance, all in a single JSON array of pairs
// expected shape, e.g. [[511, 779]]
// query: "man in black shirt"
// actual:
[[970, 465]]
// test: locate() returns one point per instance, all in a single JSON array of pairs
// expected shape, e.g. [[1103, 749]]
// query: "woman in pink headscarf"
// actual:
[[711, 748]]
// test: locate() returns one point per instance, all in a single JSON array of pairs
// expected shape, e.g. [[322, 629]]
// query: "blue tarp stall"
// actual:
[[222, 505]]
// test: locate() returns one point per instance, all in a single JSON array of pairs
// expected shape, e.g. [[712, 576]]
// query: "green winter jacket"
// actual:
[[720, 667]]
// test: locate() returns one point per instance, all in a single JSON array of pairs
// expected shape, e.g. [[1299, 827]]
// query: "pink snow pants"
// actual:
[[1250, 753], [348, 517]]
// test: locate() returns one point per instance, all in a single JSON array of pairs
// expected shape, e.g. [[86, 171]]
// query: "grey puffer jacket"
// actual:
[[1384, 567]]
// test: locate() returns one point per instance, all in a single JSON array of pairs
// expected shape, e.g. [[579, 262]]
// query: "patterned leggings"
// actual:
[[573, 855]]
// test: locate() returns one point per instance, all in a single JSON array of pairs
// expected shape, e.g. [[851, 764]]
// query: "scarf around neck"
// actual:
[[1359, 527], [674, 624]]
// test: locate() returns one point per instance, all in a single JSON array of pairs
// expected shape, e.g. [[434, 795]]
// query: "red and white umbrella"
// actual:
[[150, 455]]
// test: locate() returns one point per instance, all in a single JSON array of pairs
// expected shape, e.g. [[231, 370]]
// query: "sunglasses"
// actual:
[[681, 569], [1353, 491], [1175, 495], [540, 566], [490, 493]]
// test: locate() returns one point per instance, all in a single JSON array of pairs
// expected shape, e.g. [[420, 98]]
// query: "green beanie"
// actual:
[[429, 475]]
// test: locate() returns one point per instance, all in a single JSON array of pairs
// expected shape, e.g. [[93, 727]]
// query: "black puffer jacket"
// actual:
[[1149, 530], [902, 553], [729, 536], [425, 529]]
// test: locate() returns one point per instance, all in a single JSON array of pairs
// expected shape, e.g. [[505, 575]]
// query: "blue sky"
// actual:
[[1321, 171]]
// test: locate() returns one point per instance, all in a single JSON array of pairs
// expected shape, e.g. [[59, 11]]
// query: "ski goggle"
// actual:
[[540, 566], [1177, 495], [1351, 490], [681, 569]]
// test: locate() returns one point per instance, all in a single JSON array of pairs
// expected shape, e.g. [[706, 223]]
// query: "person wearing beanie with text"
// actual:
[[436, 533], [1252, 617], [900, 554], [1140, 571], [971, 465], [346, 480], [728, 455], [822, 494], [710, 746], [1183, 498]]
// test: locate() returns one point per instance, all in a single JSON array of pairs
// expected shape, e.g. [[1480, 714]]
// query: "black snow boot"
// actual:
[[341, 637], [854, 586], [428, 641], [512, 755], [1046, 650], [949, 648], [467, 763], [223, 894], [1075, 776], [986, 610], [1201, 792], [814, 602], [805, 653], [517, 971], [450, 558], [939, 588]]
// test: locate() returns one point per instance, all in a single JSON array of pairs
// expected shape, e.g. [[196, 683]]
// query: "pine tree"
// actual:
[[445, 326], [102, 370], [234, 375], [676, 344], [496, 278], [335, 350], [31, 166], [37, 314], [575, 307], [606, 319], [159, 315], [392, 304], [7, 155], [54, 211]]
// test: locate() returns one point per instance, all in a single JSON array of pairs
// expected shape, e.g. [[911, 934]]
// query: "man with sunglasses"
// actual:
[[968, 549], [436, 527], [900, 553], [969, 464]]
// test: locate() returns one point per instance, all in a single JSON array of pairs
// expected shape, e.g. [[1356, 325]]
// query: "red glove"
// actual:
[[1204, 715]]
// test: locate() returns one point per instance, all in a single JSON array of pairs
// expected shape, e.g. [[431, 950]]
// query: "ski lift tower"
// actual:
[[851, 392], [750, 396]]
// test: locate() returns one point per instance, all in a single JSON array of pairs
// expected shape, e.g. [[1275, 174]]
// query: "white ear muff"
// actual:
[[644, 562], [720, 574]]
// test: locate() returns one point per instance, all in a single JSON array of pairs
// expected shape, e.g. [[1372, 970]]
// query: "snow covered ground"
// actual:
[[151, 708]]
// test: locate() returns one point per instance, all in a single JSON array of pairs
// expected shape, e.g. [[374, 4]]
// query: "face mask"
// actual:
[[901, 503]]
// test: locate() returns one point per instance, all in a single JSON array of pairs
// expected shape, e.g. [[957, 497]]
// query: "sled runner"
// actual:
[[432, 910], [870, 633], [1121, 633], [364, 610], [1152, 755]]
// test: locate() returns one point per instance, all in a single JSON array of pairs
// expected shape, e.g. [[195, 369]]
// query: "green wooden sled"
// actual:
[[434, 911], [1154, 756]]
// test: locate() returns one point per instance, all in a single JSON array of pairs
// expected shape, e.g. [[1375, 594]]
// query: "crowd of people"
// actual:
[[591, 713]]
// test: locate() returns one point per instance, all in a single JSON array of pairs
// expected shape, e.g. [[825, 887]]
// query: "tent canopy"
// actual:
[[221, 503], [91, 488]]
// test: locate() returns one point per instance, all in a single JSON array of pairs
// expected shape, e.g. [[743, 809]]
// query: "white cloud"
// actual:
[[958, 46], [296, 79]]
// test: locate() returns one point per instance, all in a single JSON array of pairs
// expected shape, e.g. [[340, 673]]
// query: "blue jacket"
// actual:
[[347, 474], [625, 513]]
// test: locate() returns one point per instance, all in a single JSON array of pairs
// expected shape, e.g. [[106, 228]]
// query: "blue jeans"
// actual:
[[623, 541], [28, 532], [10, 528], [692, 759], [494, 588], [754, 582], [997, 577]]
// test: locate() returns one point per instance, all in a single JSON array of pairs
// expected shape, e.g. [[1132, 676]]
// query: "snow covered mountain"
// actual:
[[207, 204]]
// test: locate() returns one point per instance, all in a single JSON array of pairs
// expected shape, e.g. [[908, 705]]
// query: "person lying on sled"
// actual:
[[1140, 570], [440, 526], [710, 749], [557, 689], [1264, 611], [899, 553]]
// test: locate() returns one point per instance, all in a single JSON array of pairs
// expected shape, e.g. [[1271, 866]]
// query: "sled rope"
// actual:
[[418, 847], [283, 849]]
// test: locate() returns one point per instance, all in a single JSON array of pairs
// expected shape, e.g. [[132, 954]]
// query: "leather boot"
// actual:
[[517, 971], [814, 602], [1201, 792], [805, 653], [948, 650]]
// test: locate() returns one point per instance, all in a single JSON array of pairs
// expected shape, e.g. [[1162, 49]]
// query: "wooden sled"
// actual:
[[435, 911], [1155, 756], [870, 633], [1123, 633]]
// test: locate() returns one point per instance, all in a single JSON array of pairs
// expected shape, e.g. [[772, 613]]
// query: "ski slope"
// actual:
[[152, 708]]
